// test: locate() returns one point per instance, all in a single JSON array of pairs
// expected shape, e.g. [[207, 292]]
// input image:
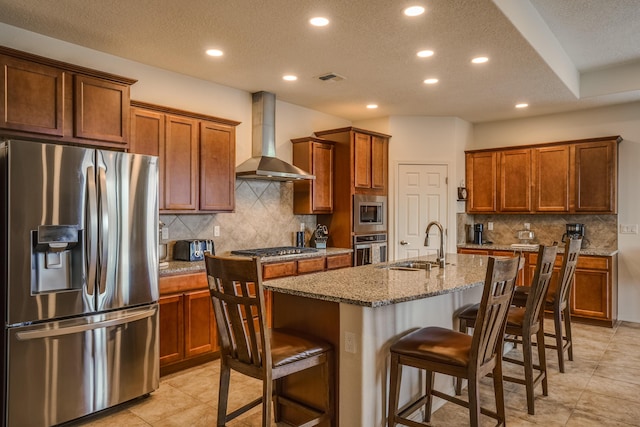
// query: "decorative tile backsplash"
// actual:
[[601, 231], [263, 218]]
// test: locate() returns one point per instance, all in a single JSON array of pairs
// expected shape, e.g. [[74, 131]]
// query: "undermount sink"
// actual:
[[413, 265]]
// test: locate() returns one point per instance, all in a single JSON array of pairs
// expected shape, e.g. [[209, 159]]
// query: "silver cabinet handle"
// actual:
[[404, 242]]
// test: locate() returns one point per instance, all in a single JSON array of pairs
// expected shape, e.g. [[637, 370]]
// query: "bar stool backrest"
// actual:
[[540, 283], [569, 262]]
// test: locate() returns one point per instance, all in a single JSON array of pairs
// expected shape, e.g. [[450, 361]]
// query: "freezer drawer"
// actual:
[[59, 371]]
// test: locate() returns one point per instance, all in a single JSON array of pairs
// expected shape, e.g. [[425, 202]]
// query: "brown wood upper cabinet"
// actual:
[[315, 156], [570, 177], [368, 154], [196, 157], [53, 100]]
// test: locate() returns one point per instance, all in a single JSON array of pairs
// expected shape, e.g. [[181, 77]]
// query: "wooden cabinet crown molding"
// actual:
[[616, 138], [66, 66], [350, 129], [178, 112]]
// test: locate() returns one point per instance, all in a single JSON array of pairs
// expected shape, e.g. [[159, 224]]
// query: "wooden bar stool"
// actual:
[[435, 349], [522, 324], [558, 302], [250, 348]]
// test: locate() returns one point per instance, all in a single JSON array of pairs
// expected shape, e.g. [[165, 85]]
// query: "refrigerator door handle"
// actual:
[[104, 229], [48, 333], [91, 245]]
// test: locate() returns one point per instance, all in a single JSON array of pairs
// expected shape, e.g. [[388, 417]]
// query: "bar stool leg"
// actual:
[[473, 387], [567, 326], [542, 359], [395, 376], [528, 370], [498, 387], [557, 323], [429, 403], [223, 396]]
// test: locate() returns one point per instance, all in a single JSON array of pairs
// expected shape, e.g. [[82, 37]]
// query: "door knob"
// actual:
[[404, 242]]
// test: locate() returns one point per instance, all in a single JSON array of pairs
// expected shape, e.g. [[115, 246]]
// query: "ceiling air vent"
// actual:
[[331, 77]]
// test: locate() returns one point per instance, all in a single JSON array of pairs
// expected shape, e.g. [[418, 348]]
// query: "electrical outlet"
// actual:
[[165, 233], [527, 226], [216, 231], [490, 226], [350, 343], [628, 228], [302, 226]]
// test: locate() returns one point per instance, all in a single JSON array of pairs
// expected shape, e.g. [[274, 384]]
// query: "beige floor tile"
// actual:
[[583, 419], [123, 417], [630, 375], [163, 403], [615, 388], [607, 407]]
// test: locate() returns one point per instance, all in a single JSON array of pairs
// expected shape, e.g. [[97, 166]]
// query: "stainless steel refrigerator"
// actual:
[[79, 272]]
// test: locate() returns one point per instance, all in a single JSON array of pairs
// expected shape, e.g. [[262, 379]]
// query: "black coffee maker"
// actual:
[[574, 231], [477, 233]]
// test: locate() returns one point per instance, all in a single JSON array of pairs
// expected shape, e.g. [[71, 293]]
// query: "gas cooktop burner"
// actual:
[[277, 251]]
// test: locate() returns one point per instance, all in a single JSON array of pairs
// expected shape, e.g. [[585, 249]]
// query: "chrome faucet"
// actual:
[[441, 261]]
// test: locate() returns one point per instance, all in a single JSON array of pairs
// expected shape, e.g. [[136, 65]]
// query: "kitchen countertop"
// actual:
[[376, 285], [507, 247], [189, 267]]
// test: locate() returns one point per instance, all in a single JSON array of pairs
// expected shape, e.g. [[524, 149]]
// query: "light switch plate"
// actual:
[[628, 228], [165, 233], [216, 231]]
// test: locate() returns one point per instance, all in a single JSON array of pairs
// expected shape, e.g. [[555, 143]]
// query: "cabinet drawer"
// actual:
[[533, 259], [473, 251], [310, 265], [338, 261], [278, 269], [182, 283], [593, 263]]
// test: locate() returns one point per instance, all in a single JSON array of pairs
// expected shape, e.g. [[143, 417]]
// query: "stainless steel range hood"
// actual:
[[264, 164]]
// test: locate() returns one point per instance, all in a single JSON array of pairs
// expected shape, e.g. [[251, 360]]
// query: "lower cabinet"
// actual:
[[274, 270], [594, 295], [187, 324], [188, 334]]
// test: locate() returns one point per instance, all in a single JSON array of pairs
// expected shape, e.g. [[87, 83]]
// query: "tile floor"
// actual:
[[601, 387]]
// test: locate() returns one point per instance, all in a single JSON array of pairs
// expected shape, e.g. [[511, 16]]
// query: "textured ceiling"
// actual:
[[373, 45]]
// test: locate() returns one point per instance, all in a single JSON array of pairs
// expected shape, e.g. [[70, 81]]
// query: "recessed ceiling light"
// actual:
[[431, 81], [414, 11], [372, 106], [522, 105], [425, 53], [480, 60], [319, 21], [290, 78], [214, 52]]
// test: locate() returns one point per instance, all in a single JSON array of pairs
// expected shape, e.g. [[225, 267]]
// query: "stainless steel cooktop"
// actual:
[[276, 251]]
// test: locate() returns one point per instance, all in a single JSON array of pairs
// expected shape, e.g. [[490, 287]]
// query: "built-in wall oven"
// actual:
[[369, 214], [369, 249]]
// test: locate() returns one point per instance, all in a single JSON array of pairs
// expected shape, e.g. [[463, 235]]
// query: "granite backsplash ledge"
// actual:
[[263, 218], [601, 231]]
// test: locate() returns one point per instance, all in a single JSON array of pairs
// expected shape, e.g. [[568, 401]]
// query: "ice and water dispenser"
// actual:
[[56, 258]]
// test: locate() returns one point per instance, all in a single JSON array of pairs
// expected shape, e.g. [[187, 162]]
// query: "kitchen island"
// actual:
[[362, 311]]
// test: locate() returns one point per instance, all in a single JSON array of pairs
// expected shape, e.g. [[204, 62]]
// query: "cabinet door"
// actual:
[[101, 109], [362, 159], [481, 180], [31, 97], [180, 163], [217, 167], [551, 179], [322, 186], [515, 181], [596, 177], [590, 296], [147, 137], [379, 160], [199, 328], [171, 329]]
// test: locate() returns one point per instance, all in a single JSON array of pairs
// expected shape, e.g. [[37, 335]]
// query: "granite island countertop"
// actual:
[[508, 247], [376, 285], [189, 267]]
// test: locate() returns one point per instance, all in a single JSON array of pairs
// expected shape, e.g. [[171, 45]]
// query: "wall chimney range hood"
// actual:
[[264, 164]]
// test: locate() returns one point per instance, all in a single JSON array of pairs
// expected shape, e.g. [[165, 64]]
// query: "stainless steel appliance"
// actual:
[[369, 249], [574, 231], [79, 279], [192, 250], [369, 213], [275, 251], [478, 229]]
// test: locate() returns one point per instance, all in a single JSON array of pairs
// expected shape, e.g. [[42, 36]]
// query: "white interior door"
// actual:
[[422, 198]]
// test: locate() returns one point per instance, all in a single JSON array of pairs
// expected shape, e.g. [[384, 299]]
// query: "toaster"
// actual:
[[192, 250]]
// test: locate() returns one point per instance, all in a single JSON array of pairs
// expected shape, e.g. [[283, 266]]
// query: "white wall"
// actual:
[[424, 140], [171, 89], [623, 120]]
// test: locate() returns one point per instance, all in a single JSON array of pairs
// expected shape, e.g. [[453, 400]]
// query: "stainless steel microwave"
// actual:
[[369, 213]]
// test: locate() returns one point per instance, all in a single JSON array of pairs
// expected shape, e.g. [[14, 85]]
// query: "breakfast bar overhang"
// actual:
[[362, 311]]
